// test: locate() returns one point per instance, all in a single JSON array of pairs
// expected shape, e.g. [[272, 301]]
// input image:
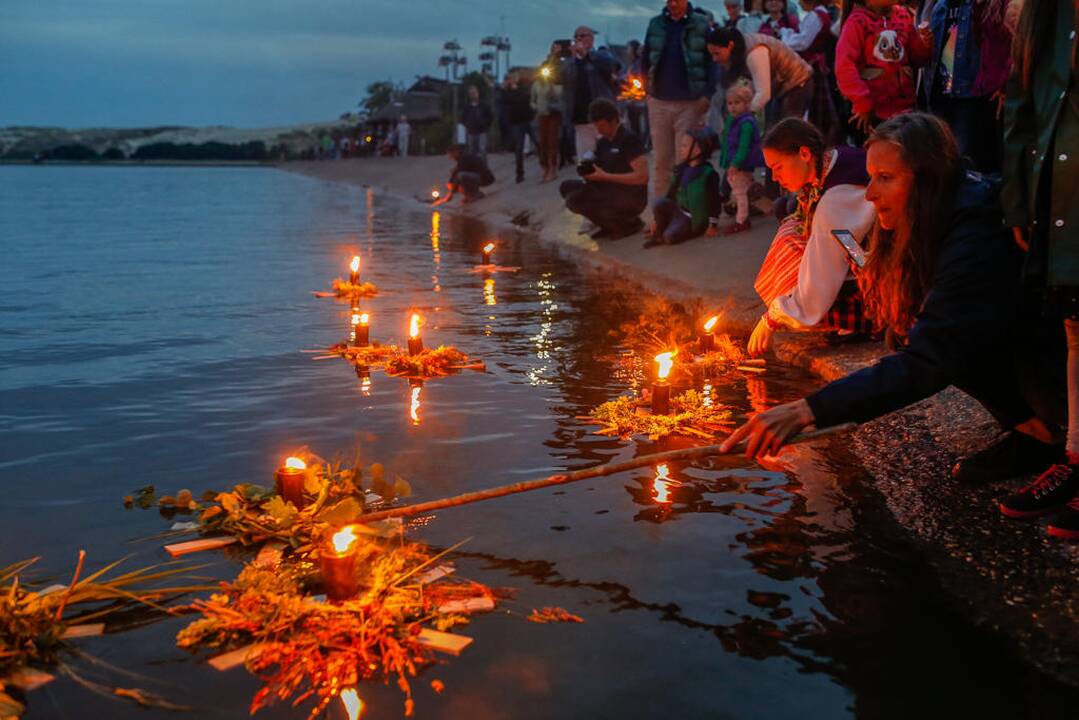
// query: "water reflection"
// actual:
[[414, 388]]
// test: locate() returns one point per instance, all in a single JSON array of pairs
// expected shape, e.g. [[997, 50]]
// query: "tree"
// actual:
[[379, 95]]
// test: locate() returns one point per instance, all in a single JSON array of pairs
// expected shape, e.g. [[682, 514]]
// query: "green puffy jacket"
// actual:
[[694, 48], [1041, 154]]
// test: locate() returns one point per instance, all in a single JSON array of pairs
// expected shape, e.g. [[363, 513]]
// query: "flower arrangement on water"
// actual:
[[346, 289], [430, 363], [689, 415]]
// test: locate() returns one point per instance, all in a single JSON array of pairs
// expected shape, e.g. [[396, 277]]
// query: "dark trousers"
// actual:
[[977, 130], [609, 206], [672, 223], [469, 183], [550, 130], [518, 132]]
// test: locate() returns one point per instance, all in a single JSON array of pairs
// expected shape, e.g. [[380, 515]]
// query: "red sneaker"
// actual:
[[737, 227]]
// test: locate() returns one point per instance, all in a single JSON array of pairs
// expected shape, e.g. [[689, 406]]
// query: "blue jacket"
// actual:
[[967, 320], [982, 51]]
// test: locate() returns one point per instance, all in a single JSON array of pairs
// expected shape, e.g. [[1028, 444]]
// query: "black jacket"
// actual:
[[476, 118], [967, 320]]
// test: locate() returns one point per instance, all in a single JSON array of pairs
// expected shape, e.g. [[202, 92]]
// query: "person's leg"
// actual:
[[661, 116], [663, 209], [680, 228], [616, 208], [586, 136], [569, 187], [740, 180], [469, 184], [587, 199], [518, 132]]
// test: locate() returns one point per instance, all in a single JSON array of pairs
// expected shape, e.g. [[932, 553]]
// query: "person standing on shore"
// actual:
[[547, 104], [676, 63], [476, 118], [586, 76], [519, 112], [404, 135]]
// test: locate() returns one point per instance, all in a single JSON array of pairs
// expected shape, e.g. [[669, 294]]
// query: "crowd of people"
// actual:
[[921, 157]]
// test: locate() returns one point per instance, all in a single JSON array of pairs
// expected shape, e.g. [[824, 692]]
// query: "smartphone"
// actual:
[[854, 250], [565, 47]]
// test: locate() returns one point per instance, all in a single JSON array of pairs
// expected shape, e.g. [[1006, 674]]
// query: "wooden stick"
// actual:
[[600, 471], [193, 546], [74, 580]]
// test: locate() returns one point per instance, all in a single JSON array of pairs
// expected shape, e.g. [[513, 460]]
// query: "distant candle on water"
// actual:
[[337, 560], [708, 340], [487, 250], [415, 342], [354, 270], [435, 194], [289, 479]]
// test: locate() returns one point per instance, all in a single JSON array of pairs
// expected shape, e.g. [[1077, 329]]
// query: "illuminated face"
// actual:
[[721, 53], [792, 171], [473, 93], [606, 128], [583, 41], [890, 182], [736, 106], [734, 10]]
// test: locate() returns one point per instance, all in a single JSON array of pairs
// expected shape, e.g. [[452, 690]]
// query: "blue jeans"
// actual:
[[477, 144]]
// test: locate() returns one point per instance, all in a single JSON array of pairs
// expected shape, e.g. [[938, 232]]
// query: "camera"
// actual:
[[587, 164]]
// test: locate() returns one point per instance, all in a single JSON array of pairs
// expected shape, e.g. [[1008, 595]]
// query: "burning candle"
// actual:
[[289, 479], [661, 391], [415, 342], [662, 484], [354, 270], [361, 330], [487, 250], [337, 560], [708, 340], [352, 703], [435, 194]]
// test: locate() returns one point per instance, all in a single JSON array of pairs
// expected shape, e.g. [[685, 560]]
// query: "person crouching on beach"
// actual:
[[806, 279], [613, 191], [740, 152], [470, 173], [692, 205], [942, 276]]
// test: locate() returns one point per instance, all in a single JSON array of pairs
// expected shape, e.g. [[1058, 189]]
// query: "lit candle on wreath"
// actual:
[[337, 561], [354, 270], [289, 479], [435, 194], [361, 330], [661, 391], [350, 700], [708, 340], [415, 342], [487, 250]]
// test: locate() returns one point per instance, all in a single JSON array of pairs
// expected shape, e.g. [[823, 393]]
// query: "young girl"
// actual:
[[815, 42], [692, 205], [740, 152], [776, 19], [878, 51]]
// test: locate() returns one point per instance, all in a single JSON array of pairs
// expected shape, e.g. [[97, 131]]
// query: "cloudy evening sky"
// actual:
[[123, 63]]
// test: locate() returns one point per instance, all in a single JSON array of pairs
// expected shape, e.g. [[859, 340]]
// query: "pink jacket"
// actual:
[[875, 60]]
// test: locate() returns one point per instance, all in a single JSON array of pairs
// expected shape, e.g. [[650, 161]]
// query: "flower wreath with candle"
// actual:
[[691, 414]]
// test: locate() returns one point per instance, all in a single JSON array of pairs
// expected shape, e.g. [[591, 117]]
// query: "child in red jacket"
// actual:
[[878, 51]]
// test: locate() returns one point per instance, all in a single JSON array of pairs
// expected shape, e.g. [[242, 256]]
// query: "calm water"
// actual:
[[150, 330]]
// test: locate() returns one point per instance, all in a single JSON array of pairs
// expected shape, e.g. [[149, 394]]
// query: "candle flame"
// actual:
[[435, 194], [711, 323], [545, 71], [356, 319], [352, 702], [354, 266], [414, 405], [666, 362], [662, 484], [295, 463], [488, 247], [343, 539], [364, 318], [636, 83], [414, 326]]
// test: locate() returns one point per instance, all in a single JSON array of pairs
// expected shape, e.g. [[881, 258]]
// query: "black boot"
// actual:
[[1013, 454]]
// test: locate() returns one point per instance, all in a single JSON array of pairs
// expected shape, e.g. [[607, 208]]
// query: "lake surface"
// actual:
[[150, 334]]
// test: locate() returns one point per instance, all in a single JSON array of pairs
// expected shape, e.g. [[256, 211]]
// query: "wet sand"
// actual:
[[1007, 575]]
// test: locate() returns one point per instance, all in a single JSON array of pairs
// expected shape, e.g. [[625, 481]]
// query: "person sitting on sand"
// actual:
[[691, 206], [942, 275], [614, 190], [470, 173], [806, 278]]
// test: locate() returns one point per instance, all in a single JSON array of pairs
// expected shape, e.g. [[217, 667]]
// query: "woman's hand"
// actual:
[[1020, 238], [999, 97], [862, 121], [766, 432], [761, 339]]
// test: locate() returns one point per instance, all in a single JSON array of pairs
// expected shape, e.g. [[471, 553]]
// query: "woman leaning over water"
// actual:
[[942, 276]]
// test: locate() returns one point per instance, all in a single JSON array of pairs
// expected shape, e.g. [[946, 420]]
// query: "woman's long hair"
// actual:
[[723, 37], [901, 262], [1037, 21]]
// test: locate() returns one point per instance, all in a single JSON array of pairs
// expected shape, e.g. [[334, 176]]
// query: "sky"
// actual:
[[256, 63]]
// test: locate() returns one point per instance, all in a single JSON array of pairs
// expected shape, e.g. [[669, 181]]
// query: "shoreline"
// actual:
[[1007, 576]]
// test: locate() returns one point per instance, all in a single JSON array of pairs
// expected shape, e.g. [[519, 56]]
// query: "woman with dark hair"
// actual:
[[805, 280], [776, 72], [1041, 205], [941, 276]]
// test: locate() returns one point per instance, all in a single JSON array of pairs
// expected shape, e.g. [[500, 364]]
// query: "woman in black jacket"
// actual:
[[943, 277]]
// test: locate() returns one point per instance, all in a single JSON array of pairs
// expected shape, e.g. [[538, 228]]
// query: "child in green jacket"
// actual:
[[691, 206]]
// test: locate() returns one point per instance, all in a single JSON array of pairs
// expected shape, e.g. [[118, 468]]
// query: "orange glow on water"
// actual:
[[662, 484], [414, 405], [489, 292]]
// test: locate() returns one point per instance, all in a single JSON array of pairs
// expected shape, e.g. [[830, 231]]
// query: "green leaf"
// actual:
[[252, 492], [343, 513], [283, 512]]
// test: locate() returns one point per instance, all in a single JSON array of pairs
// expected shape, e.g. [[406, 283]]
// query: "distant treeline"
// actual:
[[215, 151]]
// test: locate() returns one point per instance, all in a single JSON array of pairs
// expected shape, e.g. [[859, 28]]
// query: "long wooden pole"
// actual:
[[694, 453]]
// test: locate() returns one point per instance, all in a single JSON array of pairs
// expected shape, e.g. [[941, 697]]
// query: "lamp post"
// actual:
[[451, 61]]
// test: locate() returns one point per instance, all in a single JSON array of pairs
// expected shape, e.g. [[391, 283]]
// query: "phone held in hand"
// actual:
[[851, 246]]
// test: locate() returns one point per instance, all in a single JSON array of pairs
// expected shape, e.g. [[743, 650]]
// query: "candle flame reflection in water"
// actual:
[[414, 404], [662, 484], [436, 253], [489, 292], [350, 699], [542, 340], [706, 394]]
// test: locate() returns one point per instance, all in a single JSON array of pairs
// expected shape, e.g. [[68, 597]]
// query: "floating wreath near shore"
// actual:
[[439, 362], [345, 289], [691, 414]]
